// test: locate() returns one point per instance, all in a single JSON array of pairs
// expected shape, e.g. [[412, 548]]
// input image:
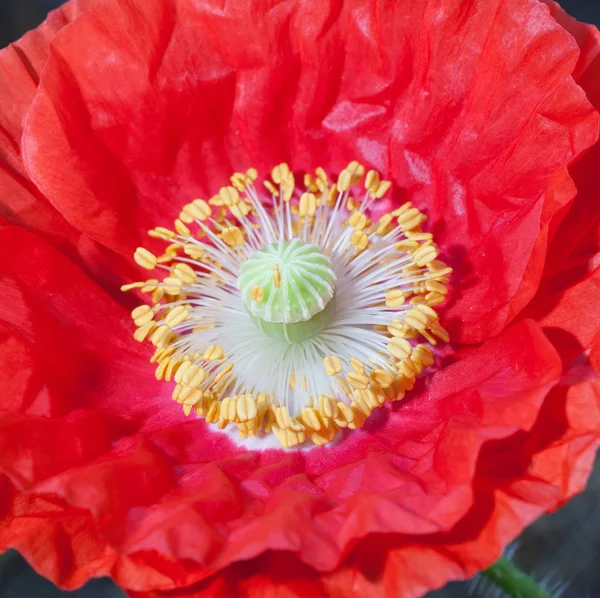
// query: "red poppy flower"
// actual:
[[116, 115]]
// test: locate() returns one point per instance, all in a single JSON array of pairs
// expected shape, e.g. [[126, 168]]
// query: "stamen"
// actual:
[[293, 314]]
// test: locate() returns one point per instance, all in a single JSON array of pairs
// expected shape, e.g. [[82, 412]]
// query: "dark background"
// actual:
[[560, 550]]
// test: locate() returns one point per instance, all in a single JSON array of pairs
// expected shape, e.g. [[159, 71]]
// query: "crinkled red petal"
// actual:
[[87, 424], [518, 479], [22, 203], [570, 284], [471, 121]]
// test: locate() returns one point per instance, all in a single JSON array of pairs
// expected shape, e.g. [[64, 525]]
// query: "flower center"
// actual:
[[293, 315], [286, 287]]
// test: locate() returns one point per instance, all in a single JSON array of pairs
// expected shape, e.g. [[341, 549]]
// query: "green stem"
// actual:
[[517, 584]]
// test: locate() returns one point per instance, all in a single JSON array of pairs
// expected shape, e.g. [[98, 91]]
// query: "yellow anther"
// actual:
[[400, 348], [230, 196], [161, 369], [280, 173], [238, 180], [372, 181], [177, 315], [246, 408], [356, 171], [213, 353], [173, 249], [403, 208], [143, 331], [425, 255], [161, 336], [383, 226], [363, 406], [407, 368], [240, 210], [296, 425], [382, 378], [423, 354], [394, 298], [321, 186], [185, 273], [212, 416], [257, 293], [375, 396], [308, 204], [357, 381], [419, 236], [162, 233], [194, 251], [345, 414], [133, 285], [172, 368], [287, 186], [416, 319], [399, 329], [271, 188], [197, 210], [358, 220], [182, 229], [333, 365], [181, 371], [352, 204], [344, 181], [202, 209], [224, 372], [435, 286], [410, 219], [172, 285], [276, 276], [311, 419], [322, 175], [194, 376], [406, 245], [327, 406], [161, 354], [359, 239], [252, 174], [309, 183], [282, 417], [142, 315], [145, 258], [382, 189], [232, 236], [357, 365], [428, 311], [440, 332], [343, 384], [228, 410], [332, 195], [215, 201], [437, 269], [289, 437]]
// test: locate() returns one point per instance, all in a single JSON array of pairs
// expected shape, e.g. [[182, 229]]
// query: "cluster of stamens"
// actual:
[[301, 346]]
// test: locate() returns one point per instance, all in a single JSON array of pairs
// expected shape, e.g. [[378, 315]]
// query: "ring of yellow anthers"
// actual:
[[205, 377]]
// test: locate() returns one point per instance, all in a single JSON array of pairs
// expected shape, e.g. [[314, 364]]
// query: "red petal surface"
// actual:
[[21, 65], [517, 480], [181, 502], [571, 279], [20, 68], [144, 106]]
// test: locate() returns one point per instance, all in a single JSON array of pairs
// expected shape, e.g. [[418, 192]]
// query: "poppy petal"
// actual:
[[184, 104]]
